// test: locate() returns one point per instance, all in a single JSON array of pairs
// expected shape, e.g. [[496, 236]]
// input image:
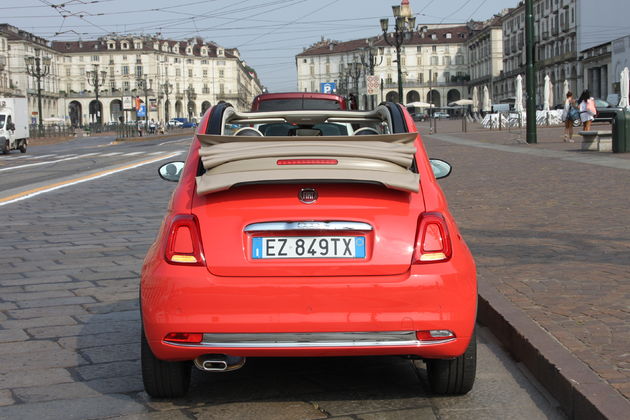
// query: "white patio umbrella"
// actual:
[[420, 105], [546, 91], [565, 89], [551, 99], [487, 104], [461, 102], [518, 102], [475, 100], [624, 83]]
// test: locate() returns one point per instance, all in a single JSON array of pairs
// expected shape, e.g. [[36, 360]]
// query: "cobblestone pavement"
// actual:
[[549, 228], [69, 331]]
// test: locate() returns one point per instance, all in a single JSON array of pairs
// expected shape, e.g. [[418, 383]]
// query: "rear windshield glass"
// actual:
[[296, 104]]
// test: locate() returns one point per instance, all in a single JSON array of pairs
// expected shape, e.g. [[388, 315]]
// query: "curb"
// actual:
[[149, 138], [579, 391]]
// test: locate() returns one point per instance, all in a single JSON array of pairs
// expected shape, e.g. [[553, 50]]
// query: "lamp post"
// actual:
[[38, 67], [191, 95], [96, 78], [167, 89], [354, 71], [370, 59], [142, 84], [403, 30]]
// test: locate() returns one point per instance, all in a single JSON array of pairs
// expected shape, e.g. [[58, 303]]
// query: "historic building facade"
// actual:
[[434, 62], [173, 78], [485, 54]]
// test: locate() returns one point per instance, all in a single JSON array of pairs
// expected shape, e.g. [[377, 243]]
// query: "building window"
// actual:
[[124, 45], [190, 73], [420, 77], [419, 60], [68, 71], [138, 70], [447, 60], [434, 48], [205, 89], [447, 76], [221, 63], [204, 61], [221, 73], [189, 61], [176, 60], [205, 73], [419, 49], [126, 85], [112, 85], [434, 60], [95, 58]]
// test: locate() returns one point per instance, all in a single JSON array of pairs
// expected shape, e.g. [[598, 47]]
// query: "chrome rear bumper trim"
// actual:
[[305, 340], [307, 225]]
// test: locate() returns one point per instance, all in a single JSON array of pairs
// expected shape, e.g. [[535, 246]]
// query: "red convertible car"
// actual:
[[307, 233]]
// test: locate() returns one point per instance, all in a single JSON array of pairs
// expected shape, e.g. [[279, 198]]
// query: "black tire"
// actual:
[[163, 379], [454, 376], [22, 147], [5, 148]]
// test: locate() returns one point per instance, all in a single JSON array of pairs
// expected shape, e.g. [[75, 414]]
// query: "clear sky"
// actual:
[[268, 33]]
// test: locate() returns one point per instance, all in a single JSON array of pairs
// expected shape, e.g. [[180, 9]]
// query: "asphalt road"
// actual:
[[70, 255]]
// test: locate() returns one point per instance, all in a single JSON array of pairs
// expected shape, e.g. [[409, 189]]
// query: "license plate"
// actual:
[[308, 247]]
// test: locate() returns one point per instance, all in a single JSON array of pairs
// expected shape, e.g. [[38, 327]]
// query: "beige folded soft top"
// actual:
[[232, 160]]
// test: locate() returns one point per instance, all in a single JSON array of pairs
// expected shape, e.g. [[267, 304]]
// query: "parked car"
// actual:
[[285, 101], [439, 114], [419, 116], [319, 247], [175, 123]]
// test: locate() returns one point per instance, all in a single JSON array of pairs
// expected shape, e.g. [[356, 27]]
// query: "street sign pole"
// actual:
[[530, 72]]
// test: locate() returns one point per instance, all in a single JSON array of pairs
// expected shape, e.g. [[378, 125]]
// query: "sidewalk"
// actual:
[[549, 227]]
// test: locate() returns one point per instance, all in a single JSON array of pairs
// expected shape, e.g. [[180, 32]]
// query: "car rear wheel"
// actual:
[[163, 379], [454, 376]]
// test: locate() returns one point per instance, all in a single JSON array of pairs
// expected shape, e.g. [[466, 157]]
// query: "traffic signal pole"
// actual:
[[530, 73]]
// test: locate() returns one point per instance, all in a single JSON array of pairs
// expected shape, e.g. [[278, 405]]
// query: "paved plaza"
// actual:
[[549, 227]]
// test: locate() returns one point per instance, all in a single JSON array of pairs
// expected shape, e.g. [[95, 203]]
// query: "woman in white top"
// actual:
[[566, 117], [587, 109]]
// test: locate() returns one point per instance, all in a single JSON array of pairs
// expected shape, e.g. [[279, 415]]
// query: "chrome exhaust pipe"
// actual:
[[219, 362]]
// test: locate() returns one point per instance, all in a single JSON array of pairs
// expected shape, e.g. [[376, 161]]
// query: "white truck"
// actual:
[[13, 124]]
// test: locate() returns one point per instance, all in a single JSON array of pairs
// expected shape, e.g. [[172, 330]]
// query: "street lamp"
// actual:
[[404, 27], [167, 88], [370, 59], [38, 67], [191, 95], [96, 78], [354, 71], [142, 84]]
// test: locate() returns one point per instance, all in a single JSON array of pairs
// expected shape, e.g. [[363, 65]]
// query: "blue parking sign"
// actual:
[[329, 87], [142, 112]]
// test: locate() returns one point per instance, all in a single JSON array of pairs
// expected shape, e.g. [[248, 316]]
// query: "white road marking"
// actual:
[[133, 153], [52, 187], [112, 154], [28, 165]]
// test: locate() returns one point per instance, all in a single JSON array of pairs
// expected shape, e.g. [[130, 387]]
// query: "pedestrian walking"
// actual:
[[587, 109], [569, 114]]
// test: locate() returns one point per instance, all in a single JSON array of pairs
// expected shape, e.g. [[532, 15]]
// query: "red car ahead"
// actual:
[[286, 101], [313, 241]]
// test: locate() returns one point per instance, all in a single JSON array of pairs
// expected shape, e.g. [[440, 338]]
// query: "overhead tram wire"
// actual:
[[295, 20]]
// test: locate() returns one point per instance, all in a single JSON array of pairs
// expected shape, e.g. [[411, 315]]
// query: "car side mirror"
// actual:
[[441, 169], [171, 171]]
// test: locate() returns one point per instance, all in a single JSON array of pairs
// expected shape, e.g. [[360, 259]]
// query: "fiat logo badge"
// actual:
[[307, 195]]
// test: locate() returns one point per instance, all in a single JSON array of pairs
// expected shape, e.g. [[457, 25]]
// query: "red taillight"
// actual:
[[307, 162], [433, 242], [184, 242], [184, 337]]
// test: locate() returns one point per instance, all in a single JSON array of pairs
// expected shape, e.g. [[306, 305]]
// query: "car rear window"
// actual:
[[297, 104]]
